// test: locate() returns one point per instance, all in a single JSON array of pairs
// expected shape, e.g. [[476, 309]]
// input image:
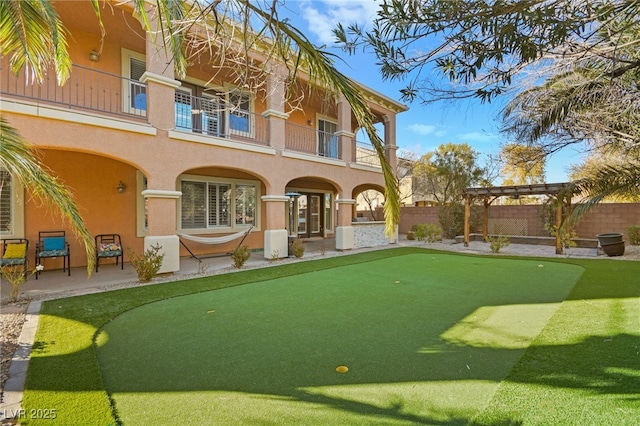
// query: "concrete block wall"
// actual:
[[603, 218], [606, 218], [410, 216]]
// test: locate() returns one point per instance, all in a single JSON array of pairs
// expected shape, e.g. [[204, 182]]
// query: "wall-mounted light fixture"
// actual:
[[121, 187], [94, 56], [309, 122]]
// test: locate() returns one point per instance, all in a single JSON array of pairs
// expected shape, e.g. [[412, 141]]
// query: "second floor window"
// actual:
[[240, 113], [138, 91], [327, 139], [214, 114]]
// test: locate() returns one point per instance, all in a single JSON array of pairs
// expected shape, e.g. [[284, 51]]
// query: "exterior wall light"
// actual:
[[121, 187], [94, 56]]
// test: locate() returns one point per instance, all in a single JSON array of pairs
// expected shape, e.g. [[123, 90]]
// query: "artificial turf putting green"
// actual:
[[427, 338]]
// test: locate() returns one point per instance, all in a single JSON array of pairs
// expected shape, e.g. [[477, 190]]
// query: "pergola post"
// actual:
[[485, 219], [467, 218], [558, 224]]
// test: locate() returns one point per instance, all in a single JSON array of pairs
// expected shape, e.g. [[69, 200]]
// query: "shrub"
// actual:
[[240, 255], [16, 277], [429, 232], [567, 236], [451, 219], [147, 264], [496, 243], [633, 232], [297, 248], [411, 235]]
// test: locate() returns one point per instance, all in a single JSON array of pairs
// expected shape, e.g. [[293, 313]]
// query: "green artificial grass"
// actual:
[[428, 338]]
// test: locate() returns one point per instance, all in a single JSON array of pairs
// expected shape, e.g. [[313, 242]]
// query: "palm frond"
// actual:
[[163, 22], [22, 24], [607, 181], [319, 65]]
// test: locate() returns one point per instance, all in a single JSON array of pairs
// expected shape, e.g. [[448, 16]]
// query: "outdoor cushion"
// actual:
[[15, 251], [11, 262], [109, 250], [53, 244]]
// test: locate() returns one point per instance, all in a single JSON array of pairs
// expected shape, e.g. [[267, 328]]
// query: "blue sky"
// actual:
[[424, 127]]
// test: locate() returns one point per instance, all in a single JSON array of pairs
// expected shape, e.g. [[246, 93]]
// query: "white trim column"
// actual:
[[162, 219], [275, 235], [345, 235]]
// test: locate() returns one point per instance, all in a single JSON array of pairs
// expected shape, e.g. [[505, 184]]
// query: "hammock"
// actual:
[[214, 241]]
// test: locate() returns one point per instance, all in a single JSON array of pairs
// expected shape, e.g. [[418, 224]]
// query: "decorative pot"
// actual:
[[611, 238], [613, 249]]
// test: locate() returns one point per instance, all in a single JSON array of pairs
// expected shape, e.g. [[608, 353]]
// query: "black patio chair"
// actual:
[[53, 244], [109, 245], [14, 253]]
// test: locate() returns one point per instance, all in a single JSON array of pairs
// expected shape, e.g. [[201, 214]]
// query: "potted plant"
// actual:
[[611, 243]]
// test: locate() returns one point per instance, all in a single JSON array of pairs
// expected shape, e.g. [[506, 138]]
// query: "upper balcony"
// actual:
[[86, 89], [227, 116]]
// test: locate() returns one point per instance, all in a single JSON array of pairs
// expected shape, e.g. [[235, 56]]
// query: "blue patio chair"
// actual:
[[14, 253], [109, 245], [53, 244]]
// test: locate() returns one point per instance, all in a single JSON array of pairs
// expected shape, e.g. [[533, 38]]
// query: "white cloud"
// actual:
[[322, 16], [422, 129], [477, 137]]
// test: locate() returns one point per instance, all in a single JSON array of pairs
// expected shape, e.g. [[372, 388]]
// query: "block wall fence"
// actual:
[[603, 218]]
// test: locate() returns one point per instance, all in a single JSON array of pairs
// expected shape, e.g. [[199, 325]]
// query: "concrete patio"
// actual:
[[55, 283]]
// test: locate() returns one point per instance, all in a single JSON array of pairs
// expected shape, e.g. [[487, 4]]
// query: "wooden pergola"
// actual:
[[560, 191]]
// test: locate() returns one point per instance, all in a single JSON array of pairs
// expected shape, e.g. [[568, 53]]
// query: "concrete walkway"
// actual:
[[55, 283]]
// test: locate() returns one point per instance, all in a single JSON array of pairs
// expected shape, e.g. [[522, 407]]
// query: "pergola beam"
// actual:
[[558, 190]]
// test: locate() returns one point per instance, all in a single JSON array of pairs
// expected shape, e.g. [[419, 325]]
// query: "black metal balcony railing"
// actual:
[[86, 89], [213, 117], [311, 141]]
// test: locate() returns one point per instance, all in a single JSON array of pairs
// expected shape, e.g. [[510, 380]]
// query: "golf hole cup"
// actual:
[[342, 369]]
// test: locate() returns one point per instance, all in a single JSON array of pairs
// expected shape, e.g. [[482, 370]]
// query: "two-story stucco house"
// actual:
[[151, 157]]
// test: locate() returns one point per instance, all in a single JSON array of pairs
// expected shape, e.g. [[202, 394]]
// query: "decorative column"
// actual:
[[160, 81], [390, 146], [275, 107], [346, 138], [345, 235], [161, 226], [275, 234], [161, 196]]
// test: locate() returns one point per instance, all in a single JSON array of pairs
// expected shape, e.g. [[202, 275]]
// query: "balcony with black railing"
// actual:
[[308, 140], [214, 117], [86, 89]]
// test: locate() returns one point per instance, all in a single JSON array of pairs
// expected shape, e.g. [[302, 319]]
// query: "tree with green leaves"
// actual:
[[522, 165], [443, 174], [32, 35], [572, 67], [481, 49]]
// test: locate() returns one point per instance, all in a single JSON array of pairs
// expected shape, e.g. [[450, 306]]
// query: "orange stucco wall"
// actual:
[[93, 182]]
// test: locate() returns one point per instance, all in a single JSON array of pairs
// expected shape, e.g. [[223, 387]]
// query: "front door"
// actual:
[[310, 215]]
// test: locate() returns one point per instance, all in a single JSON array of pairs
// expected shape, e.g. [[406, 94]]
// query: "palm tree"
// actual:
[[593, 102], [174, 20]]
